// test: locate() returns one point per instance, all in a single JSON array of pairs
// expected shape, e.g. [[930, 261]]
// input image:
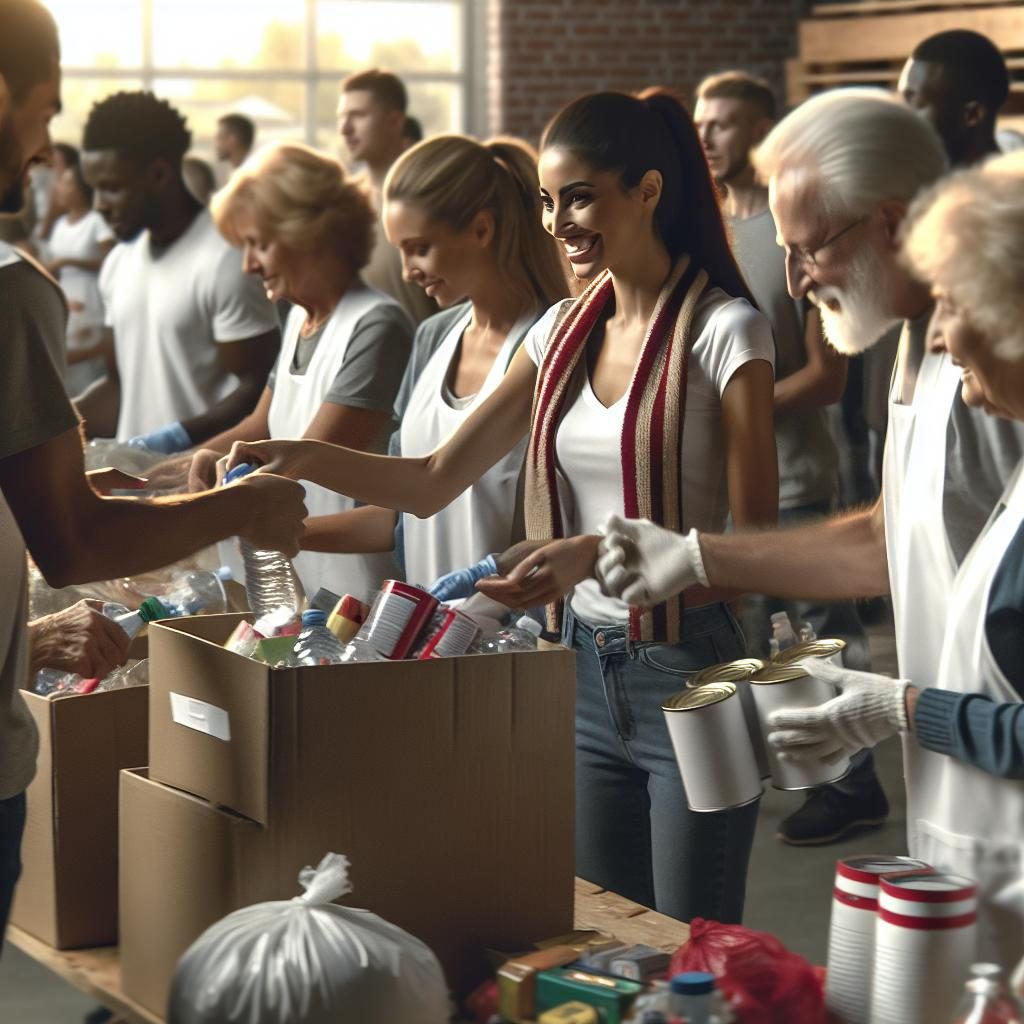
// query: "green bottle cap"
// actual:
[[152, 609]]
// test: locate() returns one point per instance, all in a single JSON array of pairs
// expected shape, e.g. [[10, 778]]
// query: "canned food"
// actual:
[[712, 747], [449, 634], [830, 650], [789, 686], [398, 616]]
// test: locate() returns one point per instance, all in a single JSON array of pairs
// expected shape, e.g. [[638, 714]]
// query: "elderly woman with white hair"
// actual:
[[307, 231], [966, 239]]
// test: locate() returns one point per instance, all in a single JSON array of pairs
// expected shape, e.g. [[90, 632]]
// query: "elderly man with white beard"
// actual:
[[842, 170]]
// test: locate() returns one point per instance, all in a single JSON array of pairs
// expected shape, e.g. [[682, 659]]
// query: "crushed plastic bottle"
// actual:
[[782, 630], [198, 592], [270, 581], [131, 674], [523, 636], [359, 649], [316, 644]]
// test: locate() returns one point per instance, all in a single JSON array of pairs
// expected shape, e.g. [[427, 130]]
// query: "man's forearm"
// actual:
[[227, 413], [838, 559], [99, 406]]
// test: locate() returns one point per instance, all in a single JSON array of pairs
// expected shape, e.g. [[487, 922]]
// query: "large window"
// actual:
[[278, 62]]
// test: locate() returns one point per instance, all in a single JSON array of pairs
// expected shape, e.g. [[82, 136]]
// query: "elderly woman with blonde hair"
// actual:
[[307, 231]]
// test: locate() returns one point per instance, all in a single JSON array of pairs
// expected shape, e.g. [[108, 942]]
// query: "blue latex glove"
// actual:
[[460, 582], [167, 440]]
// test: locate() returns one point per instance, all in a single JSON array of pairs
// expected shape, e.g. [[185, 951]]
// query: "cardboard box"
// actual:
[[67, 893], [448, 783]]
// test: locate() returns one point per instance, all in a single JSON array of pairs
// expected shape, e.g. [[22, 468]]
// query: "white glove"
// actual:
[[644, 564], [869, 709]]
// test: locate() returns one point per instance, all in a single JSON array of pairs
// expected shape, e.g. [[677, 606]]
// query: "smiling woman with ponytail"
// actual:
[[650, 395]]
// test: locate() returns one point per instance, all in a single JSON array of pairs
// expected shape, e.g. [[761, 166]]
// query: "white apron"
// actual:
[[921, 563], [966, 820], [297, 399], [479, 521]]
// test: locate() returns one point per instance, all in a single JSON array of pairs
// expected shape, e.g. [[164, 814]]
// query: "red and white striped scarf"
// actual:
[[652, 432]]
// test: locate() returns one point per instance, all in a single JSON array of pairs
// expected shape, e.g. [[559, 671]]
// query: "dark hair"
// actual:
[[241, 127], [29, 47], [138, 126], [631, 135], [412, 129], [386, 88], [80, 183], [68, 152], [739, 85], [972, 66]]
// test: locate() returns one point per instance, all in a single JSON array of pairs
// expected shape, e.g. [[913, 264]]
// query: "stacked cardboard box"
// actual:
[[448, 783]]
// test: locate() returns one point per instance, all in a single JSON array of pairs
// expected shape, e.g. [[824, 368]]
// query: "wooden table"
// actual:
[[97, 972]]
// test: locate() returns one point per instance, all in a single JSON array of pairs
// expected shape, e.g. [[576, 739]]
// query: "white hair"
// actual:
[[860, 147], [966, 235]]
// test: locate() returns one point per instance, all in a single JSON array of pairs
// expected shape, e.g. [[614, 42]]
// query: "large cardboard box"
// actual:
[[67, 894], [448, 783]]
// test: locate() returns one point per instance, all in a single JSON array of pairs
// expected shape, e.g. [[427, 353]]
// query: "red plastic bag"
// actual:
[[764, 981]]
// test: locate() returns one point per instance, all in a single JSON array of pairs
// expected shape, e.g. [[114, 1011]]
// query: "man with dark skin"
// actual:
[[958, 81], [234, 139], [186, 321]]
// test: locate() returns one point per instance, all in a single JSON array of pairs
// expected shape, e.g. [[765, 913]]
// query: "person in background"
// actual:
[[78, 244], [193, 336], [45, 183], [371, 120], [234, 139], [625, 188], [733, 114], [305, 230], [412, 131], [48, 504], [466, 218], [843, 169], [199, 178], [964, 724]]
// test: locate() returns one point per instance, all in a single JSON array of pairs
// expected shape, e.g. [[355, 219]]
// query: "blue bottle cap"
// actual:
[[692, 983], [242, 469], [314, 617], [225, 574]]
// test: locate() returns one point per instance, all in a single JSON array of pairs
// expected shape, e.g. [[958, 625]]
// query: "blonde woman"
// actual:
[[465, 217], [307, 230]]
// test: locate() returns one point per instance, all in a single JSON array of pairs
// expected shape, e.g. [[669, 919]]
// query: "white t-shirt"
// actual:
[[81, 241], [169, 308], [728, 333]]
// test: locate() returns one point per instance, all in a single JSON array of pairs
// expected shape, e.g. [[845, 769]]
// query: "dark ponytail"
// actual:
[[632, 135]]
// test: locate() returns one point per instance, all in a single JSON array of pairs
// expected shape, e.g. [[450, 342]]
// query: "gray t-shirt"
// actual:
[[808, 460], [34, 408], [371, 372]]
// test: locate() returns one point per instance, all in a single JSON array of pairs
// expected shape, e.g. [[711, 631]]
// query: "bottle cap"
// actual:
[[314, 617], [692, 983], [224, 574], [530, 625], [152, 609], [242, 469]]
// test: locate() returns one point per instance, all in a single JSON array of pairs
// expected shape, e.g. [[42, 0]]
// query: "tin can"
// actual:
[[448, 634], [398, 616], [830, 650], [712, 747], [739, 672], [789, 686]]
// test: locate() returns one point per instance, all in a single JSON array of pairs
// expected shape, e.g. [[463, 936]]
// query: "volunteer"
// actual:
[[663, 338], [465, 217], [967, 239], [842, 170], [306, 230]]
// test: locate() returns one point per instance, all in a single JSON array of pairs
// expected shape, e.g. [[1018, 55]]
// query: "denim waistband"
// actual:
[[614, 638]]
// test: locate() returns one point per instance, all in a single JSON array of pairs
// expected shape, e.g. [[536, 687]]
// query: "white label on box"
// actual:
[[203, 717]]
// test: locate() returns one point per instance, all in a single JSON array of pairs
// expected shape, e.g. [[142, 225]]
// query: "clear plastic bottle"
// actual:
[[692, 996], [316, 644], [782, 630], [523, 636], [360, 649], [270, 581], [198, 592], [807, 633], [986, 999], [132, 674]]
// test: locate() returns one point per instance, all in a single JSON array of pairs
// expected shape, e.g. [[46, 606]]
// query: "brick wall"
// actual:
[[543, 53]]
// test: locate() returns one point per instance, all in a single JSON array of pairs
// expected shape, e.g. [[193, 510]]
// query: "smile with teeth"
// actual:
[[579, 245]]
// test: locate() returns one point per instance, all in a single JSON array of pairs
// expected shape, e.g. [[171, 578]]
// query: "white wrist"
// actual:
[[692, 542]]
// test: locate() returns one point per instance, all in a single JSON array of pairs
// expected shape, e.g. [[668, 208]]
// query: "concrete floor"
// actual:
[[788, 891]]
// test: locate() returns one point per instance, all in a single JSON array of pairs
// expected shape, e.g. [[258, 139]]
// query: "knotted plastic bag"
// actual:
[[307, 961], [763, 981]]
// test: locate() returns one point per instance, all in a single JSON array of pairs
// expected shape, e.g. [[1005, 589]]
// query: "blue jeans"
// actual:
[[12, 824], [634, 833]]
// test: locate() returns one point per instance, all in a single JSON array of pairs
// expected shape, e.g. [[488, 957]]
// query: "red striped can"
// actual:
[[399, 614], [449, 634]]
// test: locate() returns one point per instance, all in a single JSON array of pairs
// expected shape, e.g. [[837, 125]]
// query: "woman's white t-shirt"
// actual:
[[81, 240], [728, 332]]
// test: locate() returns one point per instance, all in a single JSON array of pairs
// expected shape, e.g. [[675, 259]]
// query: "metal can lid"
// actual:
[[738, 671], [775, 673], [701, 697], [822, 648]]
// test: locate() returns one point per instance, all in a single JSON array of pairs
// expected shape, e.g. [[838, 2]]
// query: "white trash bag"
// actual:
[[307, 961]]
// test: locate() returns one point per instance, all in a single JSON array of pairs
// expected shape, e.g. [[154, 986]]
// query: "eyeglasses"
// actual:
[[809, 257]]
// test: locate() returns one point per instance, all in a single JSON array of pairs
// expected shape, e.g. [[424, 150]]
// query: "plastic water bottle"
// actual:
[[691, 995], [987, 999], [523, 636], [270, 581], [782, 630], [316, 644], [132, 674], [197, 592], [360, 649]]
